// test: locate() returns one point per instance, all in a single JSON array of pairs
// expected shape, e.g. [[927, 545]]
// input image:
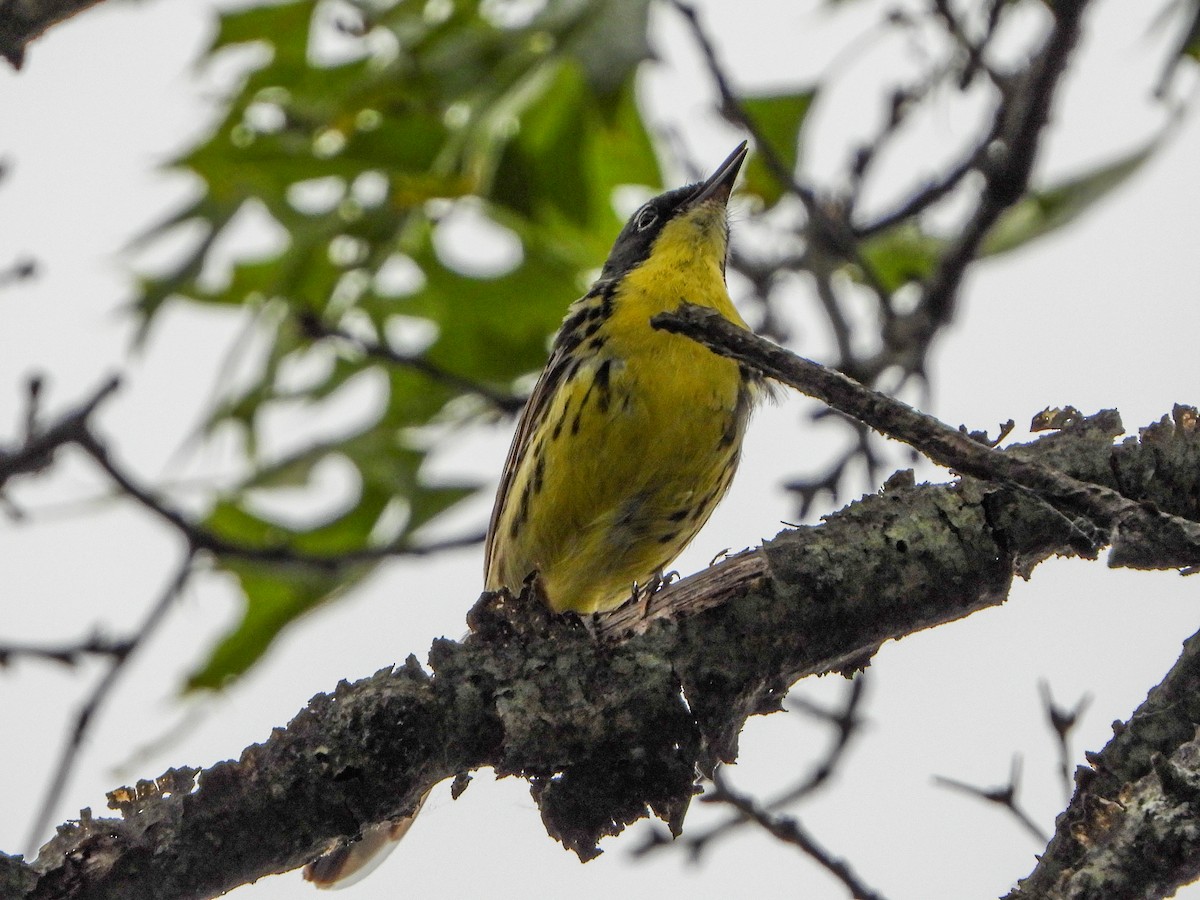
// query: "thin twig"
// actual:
[[74, 428], [502, 400], [200, 538], [846, 721], [66, 654], [972, 49], [928, 195], [1005, 796], [789, 830], [37, 450], [1062, 722], [83, 719]]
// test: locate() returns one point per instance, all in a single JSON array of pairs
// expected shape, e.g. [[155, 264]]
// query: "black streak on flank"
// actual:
[[678, 516], [701, 509], [601, 382], [668, 537], [558, 426], [523, 512]]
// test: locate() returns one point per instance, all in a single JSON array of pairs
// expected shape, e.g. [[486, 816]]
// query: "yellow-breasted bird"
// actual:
[[632, 434], [629, 440]]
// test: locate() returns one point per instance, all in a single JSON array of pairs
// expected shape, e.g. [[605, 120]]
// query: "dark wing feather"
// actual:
[[556, 371]]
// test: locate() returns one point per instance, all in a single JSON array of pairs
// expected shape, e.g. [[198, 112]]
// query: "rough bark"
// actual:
[[595, 717], [1132, 830]]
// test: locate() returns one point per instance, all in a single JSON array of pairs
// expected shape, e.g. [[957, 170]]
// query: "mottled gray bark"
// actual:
[[596, 717]]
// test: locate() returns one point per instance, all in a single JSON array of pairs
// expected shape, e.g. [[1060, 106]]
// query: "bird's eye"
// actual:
[[646, 218]]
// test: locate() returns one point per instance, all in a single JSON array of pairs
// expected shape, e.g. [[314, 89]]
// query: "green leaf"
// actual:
[[494, 329], [779, 119], [574, 148], [900, 255], [1046, 210], [275, 596], [282, 25]]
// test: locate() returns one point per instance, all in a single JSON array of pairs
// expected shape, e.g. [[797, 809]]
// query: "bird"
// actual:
[[632, 435], [627, 443]]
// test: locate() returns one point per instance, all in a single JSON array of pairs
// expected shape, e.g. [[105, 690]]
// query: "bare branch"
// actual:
[[1017, 131], [200, 538], [846, 722], [1132, 825], [1062, 722], [66, 654], [40, 444]]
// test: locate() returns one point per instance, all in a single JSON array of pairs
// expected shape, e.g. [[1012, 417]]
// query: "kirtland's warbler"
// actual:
[[629, 440]]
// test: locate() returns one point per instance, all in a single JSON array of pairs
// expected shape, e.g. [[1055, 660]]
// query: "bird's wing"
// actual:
[[558, 369]]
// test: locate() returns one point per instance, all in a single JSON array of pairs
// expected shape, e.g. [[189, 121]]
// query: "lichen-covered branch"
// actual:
[[1143, 535], [597, 721], [1132, 829]]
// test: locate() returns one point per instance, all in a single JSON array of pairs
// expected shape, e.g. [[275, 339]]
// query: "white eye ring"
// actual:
[[646, 218]]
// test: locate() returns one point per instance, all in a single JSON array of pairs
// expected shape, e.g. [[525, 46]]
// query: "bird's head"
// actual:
[[689, 222]]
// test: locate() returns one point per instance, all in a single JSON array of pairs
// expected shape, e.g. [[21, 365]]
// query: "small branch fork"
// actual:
[[846, 722], [1062, 722], [1005, 796]]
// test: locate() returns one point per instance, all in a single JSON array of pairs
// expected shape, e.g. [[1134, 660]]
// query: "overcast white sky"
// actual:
[[1106, 314]]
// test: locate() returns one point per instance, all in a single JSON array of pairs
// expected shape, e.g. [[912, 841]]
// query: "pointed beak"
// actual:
[[720, 184]]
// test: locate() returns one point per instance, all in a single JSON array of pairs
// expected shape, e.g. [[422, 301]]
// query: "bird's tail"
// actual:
[[348, 864]]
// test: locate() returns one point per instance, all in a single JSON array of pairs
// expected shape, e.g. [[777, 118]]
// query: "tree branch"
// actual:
[[599, 726], [1005, 797], [21, 21], [1132, 829], [791, 831], [1142, 535], [40, 444], [503, 401]]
